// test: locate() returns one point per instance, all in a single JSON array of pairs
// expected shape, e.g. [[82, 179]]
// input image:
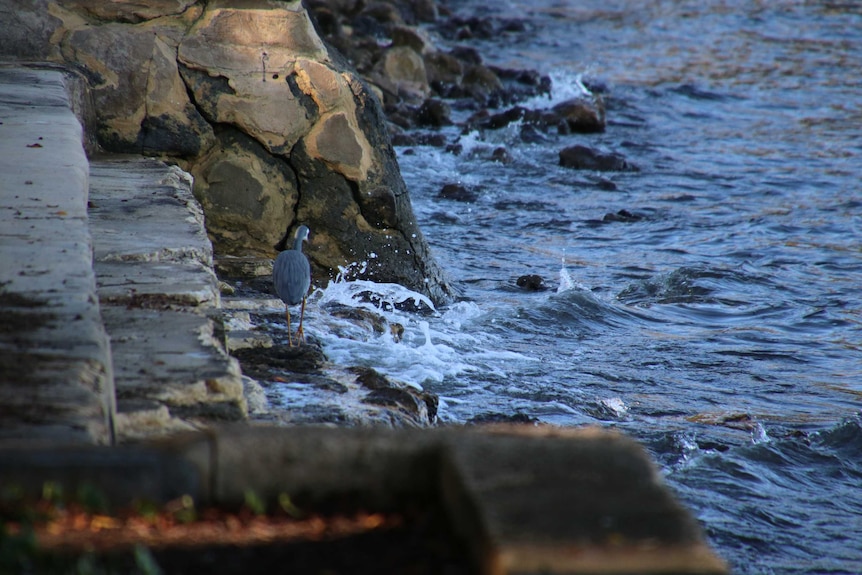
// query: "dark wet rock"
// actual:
[[434, 139], [394, 397], [455, 148], [531, 282], [361, 317], [529, 134], [480, 27], [482, 84], [387, 393], [581, 115], [382, 12], [606, 185], [584, 158], [305, 358], [401, 117], [606, 409], [475, 27], [414, 38], [486, 121], [522, 84], [382, 40], [374, 322], [467, 55], [739, 421], [444, 72], [433, 112], [502, 155], [401, 72], [458, 192], [622, 216], [370, 378]]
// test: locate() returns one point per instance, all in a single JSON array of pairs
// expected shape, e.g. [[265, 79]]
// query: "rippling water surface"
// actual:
[[721, 325]]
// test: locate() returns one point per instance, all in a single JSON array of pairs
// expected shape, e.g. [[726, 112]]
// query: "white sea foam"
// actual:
[[379, 297], [566, 282], [616, 405], [435, 346], [759, 435], [565, 85]]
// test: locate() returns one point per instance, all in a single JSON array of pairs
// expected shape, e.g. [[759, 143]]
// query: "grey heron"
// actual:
[[291, 276]]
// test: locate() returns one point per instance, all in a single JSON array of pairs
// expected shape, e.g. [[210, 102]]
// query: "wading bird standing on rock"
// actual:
[[291, 276]]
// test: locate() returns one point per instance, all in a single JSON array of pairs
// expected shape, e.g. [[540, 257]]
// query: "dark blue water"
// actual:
[[722, 327]]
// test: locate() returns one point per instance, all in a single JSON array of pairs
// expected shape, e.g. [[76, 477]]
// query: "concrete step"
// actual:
[[160, 300], [524, 500], [549, 500], [56, 382]]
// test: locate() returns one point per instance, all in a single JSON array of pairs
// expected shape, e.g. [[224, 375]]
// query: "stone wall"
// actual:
[[276, 128]]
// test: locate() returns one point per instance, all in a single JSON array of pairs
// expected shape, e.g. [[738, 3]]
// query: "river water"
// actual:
[[721, 325]]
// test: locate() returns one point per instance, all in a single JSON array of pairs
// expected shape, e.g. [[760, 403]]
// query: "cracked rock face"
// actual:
[[275, 127]]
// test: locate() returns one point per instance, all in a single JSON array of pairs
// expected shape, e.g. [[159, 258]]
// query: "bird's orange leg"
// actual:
[[287, 315], [299, 333]]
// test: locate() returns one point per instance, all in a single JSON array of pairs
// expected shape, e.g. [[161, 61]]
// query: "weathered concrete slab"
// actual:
[[157, 472], [156, 284], [142, 212], [535, 501], [367, 466], [159, 297], [173, 357], [55, 368]]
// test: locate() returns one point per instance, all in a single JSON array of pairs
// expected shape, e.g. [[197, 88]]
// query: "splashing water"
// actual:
[[374, 296], [432, 349]]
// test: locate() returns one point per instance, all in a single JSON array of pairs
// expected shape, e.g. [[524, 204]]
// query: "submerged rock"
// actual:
[[532, 282], [584, 158], [622, 216], [418, 405], [581, 115], [458, 192]]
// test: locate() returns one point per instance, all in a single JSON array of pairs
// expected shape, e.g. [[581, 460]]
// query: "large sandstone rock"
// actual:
[[141, 100], [276, 127]]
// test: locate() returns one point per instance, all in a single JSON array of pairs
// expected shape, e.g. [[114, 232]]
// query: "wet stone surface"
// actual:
[[300, 384]]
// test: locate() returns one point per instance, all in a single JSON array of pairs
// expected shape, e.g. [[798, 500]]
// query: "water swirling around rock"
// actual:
[[707, 304]]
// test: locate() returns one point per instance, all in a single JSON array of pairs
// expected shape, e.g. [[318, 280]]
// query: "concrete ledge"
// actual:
[[56, 377], [525, 501], [160, 300], [568, 501], [147, 472]]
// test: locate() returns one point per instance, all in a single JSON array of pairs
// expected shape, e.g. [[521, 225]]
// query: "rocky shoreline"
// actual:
[[280, 128], [122, 333], [419, 83]]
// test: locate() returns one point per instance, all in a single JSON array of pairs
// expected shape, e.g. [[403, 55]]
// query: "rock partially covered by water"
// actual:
[[585, 114], [458, 192], [585, 158], [250, 100], [531, 282], [386, 44], [418, 406]]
